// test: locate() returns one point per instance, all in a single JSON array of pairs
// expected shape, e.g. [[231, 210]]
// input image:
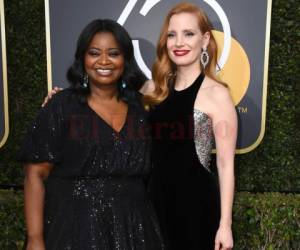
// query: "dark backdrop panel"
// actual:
[[272, 166], [247, 20]]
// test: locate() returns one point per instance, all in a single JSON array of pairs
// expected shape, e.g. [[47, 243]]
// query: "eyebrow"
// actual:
[[185, 30], [95, 48]]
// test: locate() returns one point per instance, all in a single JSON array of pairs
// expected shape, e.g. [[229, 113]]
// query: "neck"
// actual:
[[186, 75], [103, 93]]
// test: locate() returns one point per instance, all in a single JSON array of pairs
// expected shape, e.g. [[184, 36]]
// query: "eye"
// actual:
[[93, 52], [114, 53], [189, 34], [170, 35]]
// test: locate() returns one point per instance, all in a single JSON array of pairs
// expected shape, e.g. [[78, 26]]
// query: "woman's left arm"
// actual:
[[225, 132]]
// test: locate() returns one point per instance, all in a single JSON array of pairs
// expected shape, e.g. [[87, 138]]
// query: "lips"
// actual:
[[180, 52], [104, 72]]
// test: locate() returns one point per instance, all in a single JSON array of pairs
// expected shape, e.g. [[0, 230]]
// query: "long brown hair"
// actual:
[[164, 69]]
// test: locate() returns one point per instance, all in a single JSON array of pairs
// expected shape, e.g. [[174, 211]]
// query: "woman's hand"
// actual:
[[50, 94], [224, 239], [36, 243]]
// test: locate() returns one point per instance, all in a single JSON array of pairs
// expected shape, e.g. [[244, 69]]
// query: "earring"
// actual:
[[124, 85], [204, 57], [85, 81]]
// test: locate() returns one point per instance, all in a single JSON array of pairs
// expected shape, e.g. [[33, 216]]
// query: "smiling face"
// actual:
[[185, 40], [104, 60]]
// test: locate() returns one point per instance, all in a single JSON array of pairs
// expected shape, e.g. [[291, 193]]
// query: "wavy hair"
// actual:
[[163, 70], [132, 75]]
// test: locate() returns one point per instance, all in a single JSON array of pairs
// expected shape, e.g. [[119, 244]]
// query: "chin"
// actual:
[[182, 61]]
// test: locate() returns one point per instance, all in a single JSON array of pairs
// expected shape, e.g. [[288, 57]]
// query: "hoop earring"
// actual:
[[204, 57], [85, 81]]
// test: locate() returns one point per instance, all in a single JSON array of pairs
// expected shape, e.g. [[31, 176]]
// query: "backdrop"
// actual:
[[241, 29], [274, 165], [4, 128], [261, 220]]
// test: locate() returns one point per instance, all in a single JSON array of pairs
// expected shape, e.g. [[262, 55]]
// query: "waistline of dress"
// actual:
[[100, 187]]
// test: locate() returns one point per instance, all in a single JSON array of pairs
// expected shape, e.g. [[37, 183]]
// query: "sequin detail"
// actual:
[[95, 196], [203, 137]]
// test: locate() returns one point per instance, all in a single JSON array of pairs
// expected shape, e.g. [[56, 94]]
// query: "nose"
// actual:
[[179, 41], [104, 59]]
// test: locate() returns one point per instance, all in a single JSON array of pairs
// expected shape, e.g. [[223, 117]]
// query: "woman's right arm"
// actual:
[[34, 191]]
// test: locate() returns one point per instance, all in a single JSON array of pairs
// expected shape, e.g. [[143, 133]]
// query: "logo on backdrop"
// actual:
[[3, 81], [241, 31]]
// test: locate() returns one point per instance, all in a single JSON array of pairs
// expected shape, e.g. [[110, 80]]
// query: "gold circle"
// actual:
[[236, 71]]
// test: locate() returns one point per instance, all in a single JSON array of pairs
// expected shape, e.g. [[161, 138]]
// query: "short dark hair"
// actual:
[[132, 75]]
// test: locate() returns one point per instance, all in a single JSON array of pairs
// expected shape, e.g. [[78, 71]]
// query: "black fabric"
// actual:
[[95, 194], [184, 193]]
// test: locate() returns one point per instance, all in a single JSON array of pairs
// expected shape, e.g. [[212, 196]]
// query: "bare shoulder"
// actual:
[[213, 98], [148, 87], [216, 92]]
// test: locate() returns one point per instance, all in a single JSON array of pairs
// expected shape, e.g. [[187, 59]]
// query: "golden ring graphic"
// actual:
[[236, 71]]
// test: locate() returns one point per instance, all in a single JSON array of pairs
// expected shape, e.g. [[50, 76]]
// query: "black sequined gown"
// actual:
[[95, 194], [184, 190]]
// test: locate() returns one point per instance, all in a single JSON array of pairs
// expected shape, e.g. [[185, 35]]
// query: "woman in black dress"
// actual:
[[191, 110], [87, 155]]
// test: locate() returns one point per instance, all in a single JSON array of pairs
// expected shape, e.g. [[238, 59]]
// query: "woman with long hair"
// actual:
[[191, 111]]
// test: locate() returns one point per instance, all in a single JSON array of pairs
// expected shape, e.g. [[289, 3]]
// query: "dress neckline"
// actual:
[[106, 123], [200, 78]]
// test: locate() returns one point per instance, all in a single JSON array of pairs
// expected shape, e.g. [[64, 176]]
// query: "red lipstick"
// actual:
[[180, 52]]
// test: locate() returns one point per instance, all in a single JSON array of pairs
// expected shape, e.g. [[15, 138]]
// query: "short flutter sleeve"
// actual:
[[44, 139]]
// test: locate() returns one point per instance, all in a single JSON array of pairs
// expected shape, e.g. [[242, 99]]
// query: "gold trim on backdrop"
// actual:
[[265, 84], [4, 70], [48, 45]]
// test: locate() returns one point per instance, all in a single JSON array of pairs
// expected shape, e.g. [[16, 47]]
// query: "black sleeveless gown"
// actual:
[[183, 188]]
